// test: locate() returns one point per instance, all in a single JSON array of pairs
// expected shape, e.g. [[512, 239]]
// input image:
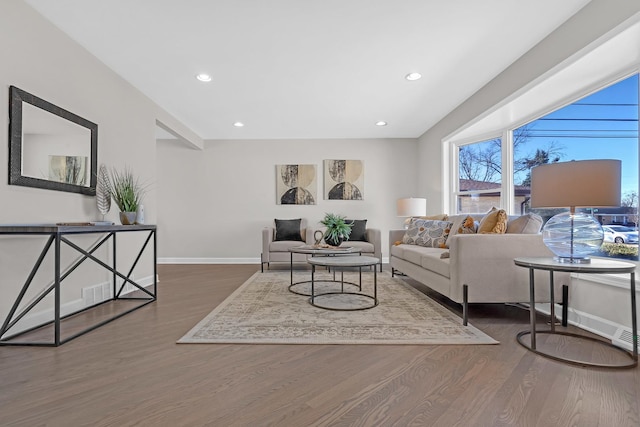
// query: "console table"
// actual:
[[597, 266], [57, 235]]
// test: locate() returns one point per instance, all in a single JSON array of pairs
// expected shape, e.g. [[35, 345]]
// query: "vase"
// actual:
[[128, 218], [332, 242]]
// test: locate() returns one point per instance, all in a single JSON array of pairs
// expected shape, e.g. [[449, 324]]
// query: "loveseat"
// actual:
[[289, 233], [471, 267]]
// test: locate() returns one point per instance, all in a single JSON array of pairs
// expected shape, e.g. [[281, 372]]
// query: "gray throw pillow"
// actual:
[[358, 230], [525, 224], [288, 229]]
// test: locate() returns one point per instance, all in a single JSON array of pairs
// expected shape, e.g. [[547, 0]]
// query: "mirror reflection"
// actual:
[[50, 147], [54, 149]]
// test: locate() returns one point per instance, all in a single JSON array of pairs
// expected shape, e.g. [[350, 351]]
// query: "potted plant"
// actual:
[[338, 230], [127, 192]]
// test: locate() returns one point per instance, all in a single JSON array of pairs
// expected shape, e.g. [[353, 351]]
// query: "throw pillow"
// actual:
[[358, 230], [494, 222], [439, 217], [468, 226], [525, 224], [288, 229], [428, 233], [457, 226]]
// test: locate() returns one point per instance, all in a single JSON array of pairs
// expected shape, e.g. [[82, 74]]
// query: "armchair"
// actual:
[[278, 239], [372, 246]]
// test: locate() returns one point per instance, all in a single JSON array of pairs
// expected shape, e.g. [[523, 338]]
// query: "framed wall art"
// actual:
[[343, 180], [296, 185]]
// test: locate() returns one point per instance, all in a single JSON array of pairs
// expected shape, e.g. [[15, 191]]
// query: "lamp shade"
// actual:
[[584, 183], [412, 207], [573, 236]]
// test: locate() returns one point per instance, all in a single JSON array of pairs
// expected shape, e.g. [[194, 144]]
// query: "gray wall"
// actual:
[[40, 59], [215, 208]]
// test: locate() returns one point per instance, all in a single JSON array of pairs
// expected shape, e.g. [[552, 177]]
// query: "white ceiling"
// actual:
[[308, 69]]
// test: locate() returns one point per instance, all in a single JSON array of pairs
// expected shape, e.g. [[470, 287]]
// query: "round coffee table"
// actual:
[[316, 251], [342, 263]]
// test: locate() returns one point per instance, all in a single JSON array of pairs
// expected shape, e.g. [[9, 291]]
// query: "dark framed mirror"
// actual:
[[50, 147]]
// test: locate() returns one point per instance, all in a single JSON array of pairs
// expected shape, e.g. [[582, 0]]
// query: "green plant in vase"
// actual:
[[127, 191], [338, 230]]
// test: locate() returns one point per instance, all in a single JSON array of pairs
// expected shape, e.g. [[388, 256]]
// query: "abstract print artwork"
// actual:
[[296, 184], [343, 180], [68, 169]]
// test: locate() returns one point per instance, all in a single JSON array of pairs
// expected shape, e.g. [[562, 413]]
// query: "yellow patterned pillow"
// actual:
[[494, 222], [468, 226]]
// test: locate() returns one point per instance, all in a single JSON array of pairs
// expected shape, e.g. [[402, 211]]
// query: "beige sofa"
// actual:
[[476, 268]]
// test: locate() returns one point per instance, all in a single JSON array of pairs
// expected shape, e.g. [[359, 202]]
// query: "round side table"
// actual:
[[597, 266], [341, 263]]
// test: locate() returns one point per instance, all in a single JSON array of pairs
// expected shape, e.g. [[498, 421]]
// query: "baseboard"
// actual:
[[172, 260], [209, 261], [594, 324], [89, 296]]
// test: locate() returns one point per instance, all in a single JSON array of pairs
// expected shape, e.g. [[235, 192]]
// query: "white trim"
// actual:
[[564, 64], [176, 260], [507, 196], [45, 315], [614, 280], [583, 320]]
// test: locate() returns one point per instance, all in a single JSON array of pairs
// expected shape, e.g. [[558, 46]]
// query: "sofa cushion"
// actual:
[[283, 245], [436, 263], [288, 229], [365, 247], [526, 224], [428, 258], [397, 250], [494, 222], [427, 233], [358, 230]]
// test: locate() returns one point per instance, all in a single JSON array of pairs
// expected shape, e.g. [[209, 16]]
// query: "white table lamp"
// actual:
[[410, 207], [572, 236]]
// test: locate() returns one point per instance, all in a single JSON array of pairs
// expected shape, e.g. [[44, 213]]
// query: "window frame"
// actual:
[[507, 196]]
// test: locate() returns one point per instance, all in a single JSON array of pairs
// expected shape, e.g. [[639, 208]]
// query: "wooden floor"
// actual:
[[131, 372]]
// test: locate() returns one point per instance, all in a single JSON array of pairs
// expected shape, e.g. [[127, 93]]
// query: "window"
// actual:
[[479, 185], [601, 125]]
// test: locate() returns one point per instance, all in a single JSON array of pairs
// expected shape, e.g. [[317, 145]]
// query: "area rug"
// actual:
[[264, 311]]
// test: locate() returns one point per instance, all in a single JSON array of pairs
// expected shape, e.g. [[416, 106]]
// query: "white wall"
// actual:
[[213, 204], [42, 60], [591, 23], [590, 27]]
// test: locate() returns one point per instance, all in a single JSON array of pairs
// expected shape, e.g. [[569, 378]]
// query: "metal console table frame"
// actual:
[[597, 266], [57, 235]]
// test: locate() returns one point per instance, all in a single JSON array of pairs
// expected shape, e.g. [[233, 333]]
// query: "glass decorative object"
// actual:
[[572, 237]]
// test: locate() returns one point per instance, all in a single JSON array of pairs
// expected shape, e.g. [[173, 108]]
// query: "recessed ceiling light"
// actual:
[[238, 124], [413, 76], [381, 123], [203, 77]]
